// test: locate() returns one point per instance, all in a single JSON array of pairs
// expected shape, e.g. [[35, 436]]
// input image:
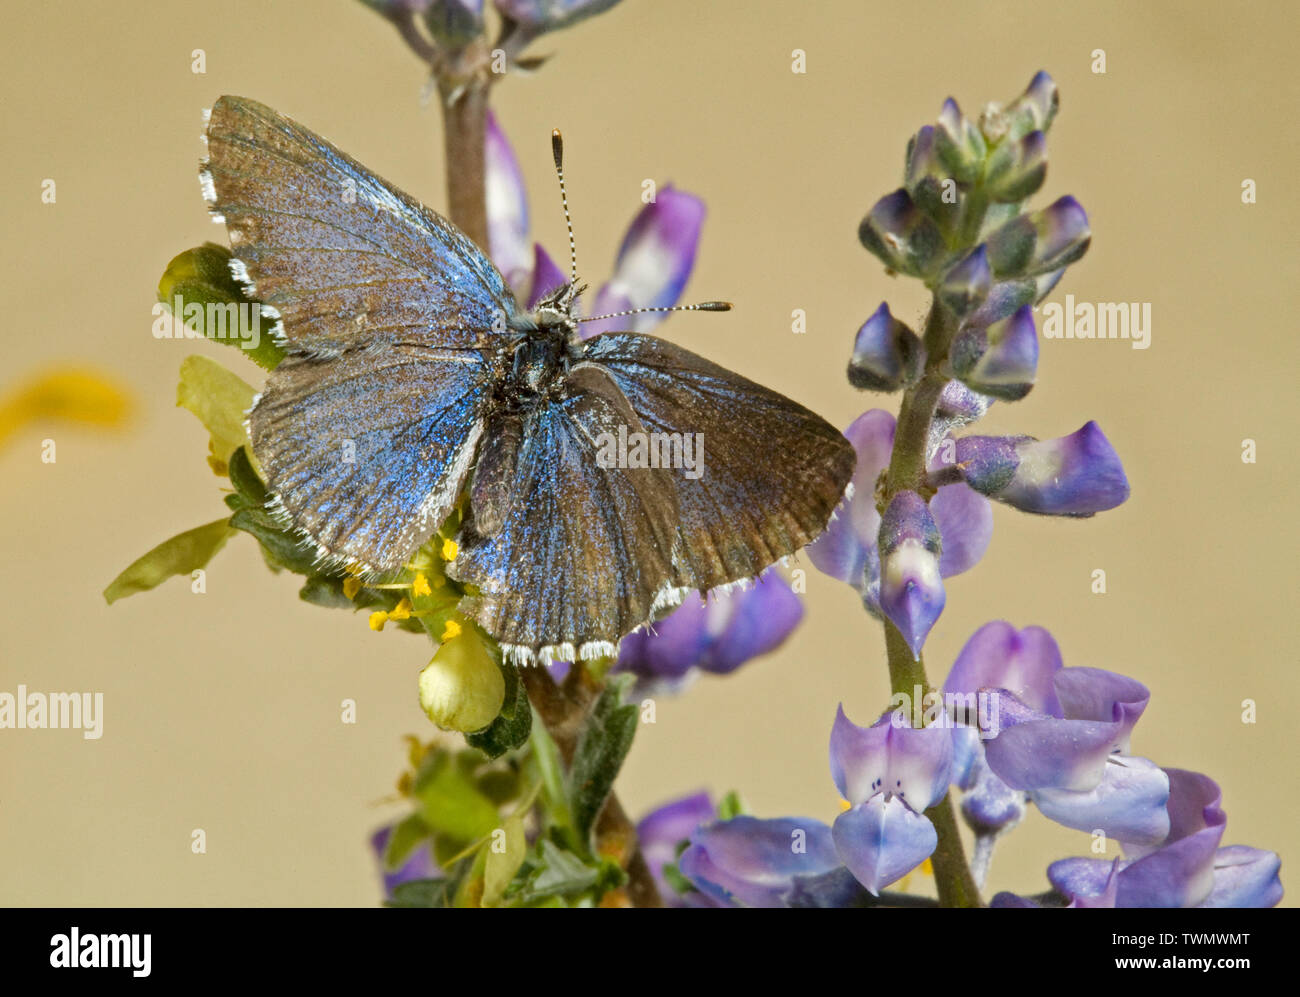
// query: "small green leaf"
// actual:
[[556, 873], [730, 806], [408, 834], [220, 399], [511, 727], [200, 282], [245, 479], [182, 554], [506, 851], [421, 893], [450, 802], [602, 746]]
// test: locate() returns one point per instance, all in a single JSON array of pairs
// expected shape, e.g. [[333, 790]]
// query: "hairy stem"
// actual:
[[907, 471], [563, 710], [464, 128]]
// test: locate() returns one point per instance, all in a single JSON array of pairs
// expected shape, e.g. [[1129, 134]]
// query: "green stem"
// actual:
[[907, 471]]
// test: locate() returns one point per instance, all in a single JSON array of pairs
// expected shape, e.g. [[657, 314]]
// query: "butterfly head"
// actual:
[[556, 309]]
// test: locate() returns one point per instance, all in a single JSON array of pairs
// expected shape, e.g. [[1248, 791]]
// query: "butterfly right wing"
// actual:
[[346, 259], [773, 471]]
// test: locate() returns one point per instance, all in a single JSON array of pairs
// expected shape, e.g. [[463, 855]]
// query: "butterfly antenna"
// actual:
[[703, 306], [557, 150]]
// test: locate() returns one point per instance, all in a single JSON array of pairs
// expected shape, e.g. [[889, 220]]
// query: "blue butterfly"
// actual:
[[412, 373]]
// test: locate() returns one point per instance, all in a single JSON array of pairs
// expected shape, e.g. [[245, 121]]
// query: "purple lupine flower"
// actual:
[[718, 633], [1075, 475], [507, 210], [1188, 868], [756, 862], [901, 235], [418, 865], [1059, 737], [911, 587], [886, 353], [537, 16], [848, 550], [1000, 359], [663, 831], [1040, 242], [653, 264], [890, 774], [967, 283], [654, 260]]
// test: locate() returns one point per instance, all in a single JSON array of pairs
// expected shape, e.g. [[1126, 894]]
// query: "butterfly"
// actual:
[[411, 374]]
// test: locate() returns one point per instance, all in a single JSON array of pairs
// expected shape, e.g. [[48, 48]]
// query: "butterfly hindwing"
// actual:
[[585, 552], [367, 452]]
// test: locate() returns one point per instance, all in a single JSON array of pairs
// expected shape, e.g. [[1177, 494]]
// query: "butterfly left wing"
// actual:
[[580, 554], [346, 259]]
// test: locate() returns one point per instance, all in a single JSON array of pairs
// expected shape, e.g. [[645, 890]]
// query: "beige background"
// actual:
[[222, 710]]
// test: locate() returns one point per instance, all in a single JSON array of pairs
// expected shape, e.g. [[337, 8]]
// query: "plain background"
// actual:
[[222, 710]]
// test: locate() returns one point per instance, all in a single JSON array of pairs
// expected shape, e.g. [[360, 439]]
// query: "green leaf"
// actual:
[[730, 806], [200, 282], [408, 834], [550, 775], [555, 873], [182, 554], [450, 803], [602, 746], [245, 479], [513, 724], [421, 893], [220, 399], [503, 862]]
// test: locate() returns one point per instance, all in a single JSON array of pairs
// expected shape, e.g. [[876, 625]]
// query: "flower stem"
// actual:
[[464, 128], [907, 471], [563, 710]]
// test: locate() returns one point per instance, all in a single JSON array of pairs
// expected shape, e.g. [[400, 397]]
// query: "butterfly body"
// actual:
[[412, 375]]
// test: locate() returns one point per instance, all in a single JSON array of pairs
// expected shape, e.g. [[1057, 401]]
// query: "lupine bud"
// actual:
[[886, 354], [1017, 168], [911, 587], [462, 687], [1040, 242], [1001, 359], [965, 286], [929, 183], [901, 235], [536, 16], [959, 144], [1034, 110], [1075, 475], [454, 22]]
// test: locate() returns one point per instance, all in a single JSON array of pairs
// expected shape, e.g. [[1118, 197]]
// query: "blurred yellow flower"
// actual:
[[64, 395]]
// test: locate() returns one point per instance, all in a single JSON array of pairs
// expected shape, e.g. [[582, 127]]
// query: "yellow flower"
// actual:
[[402, 611], [377, 620], [64, 394], [449, 550], [421, 585], [452, 629], [351, 586]]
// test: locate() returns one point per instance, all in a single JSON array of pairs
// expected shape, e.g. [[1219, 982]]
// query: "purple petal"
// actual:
[[1105, 897], [654, 262], [666, 827], [1075, 475], [911, 587], [915, 765], [880, 841], [998, 656], [507, 208], [886, 353], [755, 862], [1128, 804], [547, 276], [965, 520], [847, 550], [1245, 877], [989, 804], [1001, 359]]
